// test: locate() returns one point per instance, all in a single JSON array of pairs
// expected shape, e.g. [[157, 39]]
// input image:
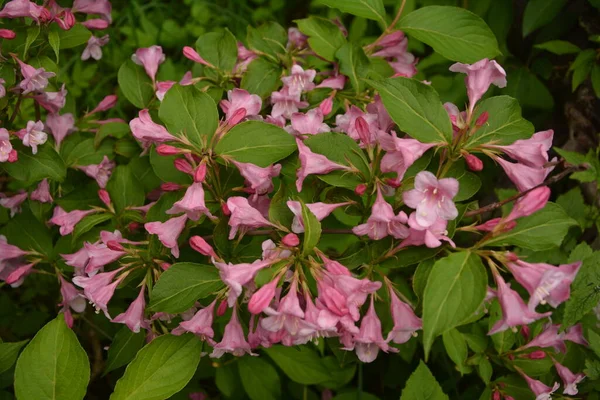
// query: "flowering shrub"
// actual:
[[297, 196]]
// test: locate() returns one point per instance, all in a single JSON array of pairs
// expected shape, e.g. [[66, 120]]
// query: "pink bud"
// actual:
[[395, 183], [525, 331], [360, 189], [237, 116], [474, 163], [133, 226], [511, 357], [537, 355], [104, 196], [482, 119], [290, 240], [222, 308], [170, 187], [106, 104], [326, 105], [183, 166], [201, 246], [114, 245], [262, 297], [95, 24], [193, 55], [167, 150], [13, 156], [165, 266], [362, 128], [513, 257], [200, 173], [225, 210], [7, 34], [67, 22], [496, 395]]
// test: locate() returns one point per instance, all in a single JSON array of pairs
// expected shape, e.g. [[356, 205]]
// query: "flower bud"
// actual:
[[225, 209], [193, 55], [170, 187], [222, 308], [509, 398], [7, 34], [537, 355], [165, 266], [474, 163], [13, 156], [67, 21], [200, 173], [201, 246], [114, 245], [237, 116], [512, 257], [133, 226], [395, 183], [326, 105], [105, 104], [183, 166], [482, 119], [290, 240], [362, 128], [360, 189], [104, 196], [262, 297], [168, 150], [496, 395]]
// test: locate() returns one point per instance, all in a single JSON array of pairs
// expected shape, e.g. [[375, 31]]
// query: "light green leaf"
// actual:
[[312, 230], [324, 37], [485, 370], [455, 290], [124, 188], [9, 353], [456, 347], [117, 130], [135, 84], [559, 47], [371, 9], [86, 153], [422, 386], [421, 276], [260, 378], [181, 285], [416, 108], [269, 38], [300, 364], [123, 348], [585, 291], [161, 369], [54, 40], [262, 77], [32, 33], [53, 365], [354, 64], [455, 33], [219, 49], [256, 142], [539, 13]]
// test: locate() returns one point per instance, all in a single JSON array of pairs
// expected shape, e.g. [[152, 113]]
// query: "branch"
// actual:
[[547, 182]]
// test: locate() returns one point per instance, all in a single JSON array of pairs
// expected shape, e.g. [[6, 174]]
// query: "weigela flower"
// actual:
[[233, 341], [33, 135], [480, 76], [42, 192], [5, 146], [570, 380], [313, 163], [539, 389], [94, 47], [310, 123], [60, 126], [244, 216], [13, 203], [34, 79], [24, 8], [100, 7], [406, 323], [150, 58], [192, 203], [299, 80], [200, 324], [168, 232], [52, 102], [285, 103], [240, 99], [100, 288], [320, 211], [147, 131], [432, 198], [237, 275], [259, 179], [532, 152], [100, 172], [383, 221], [133, 318]]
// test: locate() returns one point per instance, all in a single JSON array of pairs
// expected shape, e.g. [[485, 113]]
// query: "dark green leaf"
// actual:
[[219, 49], [312, 230], [422, 386], [354, 64], [34, 167], [371, 9], [528, 89], [456, 347], [76, 36], [124, 189], [324, 37], [135, 84], [300, 364], [123, 348], [559, 47], [585, 291], [112, 129], [262, 77], [86, 224], [9, 353], [28, 233], [539, 13], [260, 378], [164, 168]]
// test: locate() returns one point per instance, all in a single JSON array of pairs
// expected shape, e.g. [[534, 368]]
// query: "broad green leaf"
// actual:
[[86, 153], [408, 256], [165, 169], [421, 276], [54, 40], [53, 365], [31, 168], [542, 230], [371, 9], [190, 113], [28, 233], [485, 370], [228, 380], [422, 386], [539, 13], [456, 347], [219, 49], [256, 142], [32, 34], [76, 36], [9, 353], [260, 378], [504, 125], [117, 130], [81, 198], [180, 286], [123, 348], [528, 89], [594, 340], [503, 341], [124, 189], [143, 171], [135, 84], [354, 64], [581, 67], [455, 33], [585, 291], [86, 224], [559, 47], [269, 38], [416, 108], [455, 289], [324, 37], [161, 369], [312, 230], [300, 364], [262, 77]]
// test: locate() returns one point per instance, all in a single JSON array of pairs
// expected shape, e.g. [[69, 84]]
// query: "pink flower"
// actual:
[[52, 102], [192, 203], [457, 117], [77, 260], [313, 163], [369, 340], [72, 297], [201, 246], [523, 176], [100, 172], [430, 236], [401, 153], [233, 340], [575, 335], [147, 131], [539, 389], [245, 57], [5, 146], [105, 104], [259, 179], [67, 220], [162, 88], [533, 201], [549, 338], [200, 324], [384, 121], [24, 8], [347, 122], [17, 276], [98, 289], [480, 76], [532, 152], [96, 24], [310, 123], [134, 316], [193, 55], [514, 310], [244, 216], [382, 221], [406, 323], [296, 39], [336, 82], [286, 103], [94, 47], [262, 297], [33, 79], [9, 251], [289, 315], [13, 203], [570, 380], [237, 275], [320, 211], [299, 80], [432, 198], [240, 99], [100, 7], [150, 58], [42, 192], [60, 126], [404, 65], [168, 232], [100, 255], [545, 282], [392, 45], [33, 135]]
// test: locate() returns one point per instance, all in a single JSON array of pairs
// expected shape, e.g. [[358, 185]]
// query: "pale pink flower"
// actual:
[[310, 123], [299, 80], [404, 65], [320, 211], [382, 221], [237, 275], [259, 180], [191, 54], [539, 389], [245, 57], [406, 323], [96, 24], [480, 76], [33, 135], [34, 79], [98, 289], [24, 8], [200, 324], [289, 315], [262, 297], [457, 117], [147, 131], [369, 339], [100, 172], [18, 274], [105, 104], [533, 201], [201, 246], [244, 216], [100, 255], [13, 203], [150, 58], [5, 146], [313, 163], [240, 99], [336, 82], [347, 122], [233, 340], [71, 297], [168, 232], [384, 121], [60, 126], [192, 203], [392, 45], [162, 88], [42, 192], [94, 47], [100, 7], [570, 380], [532, 152], [549, 337], [52, 102], [430, 236], [134, 316], [432, 198], [296, 39], [67, 220], [400, 153], [286, 103], [9, 251]]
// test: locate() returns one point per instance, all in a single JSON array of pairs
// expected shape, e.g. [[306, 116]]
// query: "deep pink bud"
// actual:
[[114, 245], [482, 119], [225, 210], [395, 183], [201, 246], [13, 156], [525, 331], [106, 104], [104, 196], [474, 163], [170, 187], [360, 189], [167, 150], [165, 266], [183, 166], [496, 396], [537, 355], [262, 297], [193, 55], [290, 240], [222, 308], [200, 173], [7, 34], [133, 226], [508, 398], [326, 105], [237, 116], [362, 128]]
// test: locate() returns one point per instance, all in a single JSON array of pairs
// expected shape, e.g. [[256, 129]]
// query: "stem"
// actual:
[[38, 113], [389, 29], [16, 110]]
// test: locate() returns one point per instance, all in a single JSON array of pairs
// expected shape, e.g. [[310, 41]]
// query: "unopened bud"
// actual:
[[200, 173], [67, 21], [183, 166], [290, 240], [114, 245], [511, 357], [168, 150], [482, 119], [510, 256], [360, 189], [262, 297], [237, 116], [165, 266], [496, 395], [201, 246], [13, 156], [362, 128], [222, 308], [474, 163], [225, 209], [537, 355], [104, 196], [133, 226], [395, 183], [326, 105], [7, 34], [95, 24], [193, 55], [170, 187], [506, 397], [106, 104]]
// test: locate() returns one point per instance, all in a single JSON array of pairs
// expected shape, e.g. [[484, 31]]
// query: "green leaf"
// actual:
[[371, 9], [581, 67], [596, 79], [585, 291], [188, 112], [270, 38], [262, 77], [28, 233], [260, 378], [32, 33], [408, 256], [559, 47], [117, 130], [123, 348], [528, 89], [594, 340], [54, 40], [455, 33], [422, 386], [86, 153], [124, 188], [219, 49], [312, 230], [503, 341], [86, 224], [416, 108], [135, 84], [300, 364], [9, 353], [456, 347], [421, 276], [161, 369], [256, 142], [180, 286], [53, 365], [485, 370], [324, 37], [542, 230], [539, 13], [76, 36], [165, 169], [31, 168], [505, 123], [455, 290], [353, 63]]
